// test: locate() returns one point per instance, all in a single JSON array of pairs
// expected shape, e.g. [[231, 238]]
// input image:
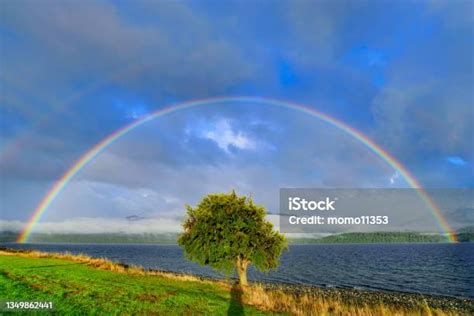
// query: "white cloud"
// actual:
[[97, 225], [107, 225], [225, 137], [394, 177]]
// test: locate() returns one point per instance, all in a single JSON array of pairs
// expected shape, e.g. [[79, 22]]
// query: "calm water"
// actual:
[[442, 269]]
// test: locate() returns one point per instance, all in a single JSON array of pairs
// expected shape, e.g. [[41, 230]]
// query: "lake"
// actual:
[[439, 269]]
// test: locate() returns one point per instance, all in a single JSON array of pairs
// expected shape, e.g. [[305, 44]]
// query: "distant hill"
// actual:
[[464, 235], [8, 236], [382, 237]]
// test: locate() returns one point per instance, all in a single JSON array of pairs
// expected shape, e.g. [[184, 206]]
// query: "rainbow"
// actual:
[[87, 157]]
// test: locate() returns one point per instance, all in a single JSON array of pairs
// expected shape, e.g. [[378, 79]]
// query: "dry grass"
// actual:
[[275, 299], [310, 304]]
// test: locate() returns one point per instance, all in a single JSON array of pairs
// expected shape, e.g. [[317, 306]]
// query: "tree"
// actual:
[[226, 231]]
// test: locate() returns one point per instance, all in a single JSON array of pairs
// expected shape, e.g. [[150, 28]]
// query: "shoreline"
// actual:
[[291, 243], [354, 297], [271, 284], [405, 300]]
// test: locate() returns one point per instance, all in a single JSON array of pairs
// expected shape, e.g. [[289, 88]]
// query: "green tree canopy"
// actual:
[[226, 231]]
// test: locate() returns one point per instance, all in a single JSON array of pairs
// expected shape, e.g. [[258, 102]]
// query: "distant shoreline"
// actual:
[[176, 244], [171, 238]]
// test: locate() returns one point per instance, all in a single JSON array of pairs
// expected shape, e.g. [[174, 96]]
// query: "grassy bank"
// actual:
[[80, 285]]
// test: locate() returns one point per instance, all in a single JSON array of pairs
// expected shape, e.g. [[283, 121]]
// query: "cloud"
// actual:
[[225, 137], [82, 225], [155, 171], [394, 177], [74, 42], [104, 225], [457, 161], [405, 208], [318, 25], [424, 112]]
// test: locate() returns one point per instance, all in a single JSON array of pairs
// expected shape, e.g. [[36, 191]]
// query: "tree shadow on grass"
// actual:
[[236, 306]]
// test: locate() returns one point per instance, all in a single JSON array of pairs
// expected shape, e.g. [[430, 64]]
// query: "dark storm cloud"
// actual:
[[425, 111], [91, 40]]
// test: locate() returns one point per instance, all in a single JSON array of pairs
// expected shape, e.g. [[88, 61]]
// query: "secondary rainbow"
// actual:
[[62, 182]]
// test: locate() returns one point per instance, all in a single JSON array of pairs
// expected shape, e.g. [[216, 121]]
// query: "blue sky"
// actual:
[[71, 73]]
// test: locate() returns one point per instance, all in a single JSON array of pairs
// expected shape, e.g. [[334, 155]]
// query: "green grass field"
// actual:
[[78, 289]]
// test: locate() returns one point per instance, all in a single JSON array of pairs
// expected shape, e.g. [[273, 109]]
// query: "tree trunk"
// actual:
[[241, 267]]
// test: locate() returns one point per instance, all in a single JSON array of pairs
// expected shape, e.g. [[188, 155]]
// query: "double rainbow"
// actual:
[[87, 157]]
